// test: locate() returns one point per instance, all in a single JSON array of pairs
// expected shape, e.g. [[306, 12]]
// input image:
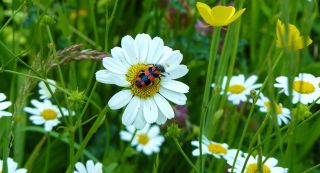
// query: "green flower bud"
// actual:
[[173, 131]]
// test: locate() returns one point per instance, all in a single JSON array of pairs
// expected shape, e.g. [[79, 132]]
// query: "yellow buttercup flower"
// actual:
[[294, 41], [218, 15]]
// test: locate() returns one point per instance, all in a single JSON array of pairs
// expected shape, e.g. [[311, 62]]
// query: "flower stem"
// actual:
[[210, 70], [184, 155]]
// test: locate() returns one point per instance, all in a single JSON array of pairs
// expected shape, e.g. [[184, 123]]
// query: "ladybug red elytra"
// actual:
[[145, 78]]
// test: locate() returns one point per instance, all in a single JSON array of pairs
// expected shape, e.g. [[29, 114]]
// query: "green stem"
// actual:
[[312, 168], [91, 132], [210, 71], [184, 155]]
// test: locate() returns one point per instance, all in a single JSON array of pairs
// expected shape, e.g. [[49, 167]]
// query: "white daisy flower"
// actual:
[[90, 167], [4, 105], [147, 139], [283, 114], [218, 150], [239, 88], [44, 91], [45, 113], [305, 88], [145, 103], [12, 166], [269, 165]]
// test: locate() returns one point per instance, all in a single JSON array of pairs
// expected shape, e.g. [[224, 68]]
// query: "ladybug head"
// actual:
[[160, 68]]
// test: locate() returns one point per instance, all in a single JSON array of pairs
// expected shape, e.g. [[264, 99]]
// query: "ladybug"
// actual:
[[145, 78]]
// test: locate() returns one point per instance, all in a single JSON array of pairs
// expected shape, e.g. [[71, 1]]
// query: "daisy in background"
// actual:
[[147, 103], [44, 91], [90, 167], [4, 105], [268, 165], [239, 88], [283, 114], [45, 113], [147, 140], [218, 150], [305, 88], [12, 166]]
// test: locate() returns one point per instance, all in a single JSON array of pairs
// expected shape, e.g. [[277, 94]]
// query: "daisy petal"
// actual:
[[5, 105], [164, 106], [114, 65], [155, 50], [2, 97], [117, 53], [177, 72], [105, 76], [131, 111], [150, 111], [177, 98], [161, 118], [175, 86], [140, 122], [119, 100], [127, 44], [142, 41]]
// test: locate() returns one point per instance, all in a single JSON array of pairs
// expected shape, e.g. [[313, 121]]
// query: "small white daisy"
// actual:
[[45, 113], [146, 104], [4, 105], [239, 88], [148, 140], [90, 167], [44, 91], [283, 114], [269, 166], [305, 87], [12, 166], [218, 150]]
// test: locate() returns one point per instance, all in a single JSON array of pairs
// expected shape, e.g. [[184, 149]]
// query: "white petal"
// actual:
[[251, 80], [165, 54], [140, 122], [119, 100], [114, 65], [150, 111], [142, 42], [80, 167], [118, 53], [90, 166], [2, 97], [130, 113], [5, 113], [127, 44], [5, 105], [175, 86], [164, 107], [177, 98], [154, 131], [105, 76], [176, 72], [155, 50], [126, 136], [173, 59], [161, 118]]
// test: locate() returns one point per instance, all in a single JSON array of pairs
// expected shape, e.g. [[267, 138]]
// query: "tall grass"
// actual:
[[33, 35]]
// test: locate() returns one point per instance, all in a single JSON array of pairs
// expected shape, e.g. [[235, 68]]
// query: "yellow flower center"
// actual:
[[144, 92], [253, 168], [143, 139], [49, 114], [236, 89], [217, 149], [303, 87], [278, 108]]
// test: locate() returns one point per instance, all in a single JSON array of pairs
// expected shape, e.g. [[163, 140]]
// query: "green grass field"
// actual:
[[138, 85]]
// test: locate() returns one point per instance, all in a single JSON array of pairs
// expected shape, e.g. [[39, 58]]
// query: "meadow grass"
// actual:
[[67, 40]]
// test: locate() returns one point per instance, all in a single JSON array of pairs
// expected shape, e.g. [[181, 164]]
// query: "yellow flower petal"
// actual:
[[294, 40], [301, 42], [221, 15], [205, 12], [236, 16]]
